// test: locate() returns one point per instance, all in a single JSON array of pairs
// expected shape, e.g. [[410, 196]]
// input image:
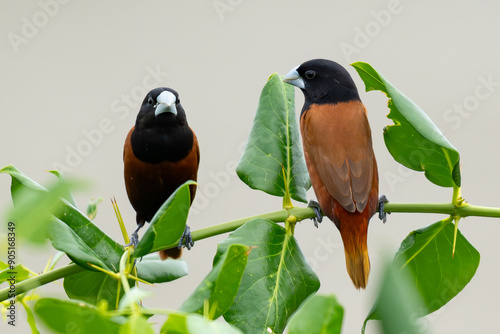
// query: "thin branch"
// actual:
[[465, 210], [40, 280]]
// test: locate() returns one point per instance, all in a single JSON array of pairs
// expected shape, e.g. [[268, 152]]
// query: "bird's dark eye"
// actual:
[[310, 74], [151, 101]]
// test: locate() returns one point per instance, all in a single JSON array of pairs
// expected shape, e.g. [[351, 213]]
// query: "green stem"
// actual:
[[445, 208], [466, 210], [456, 195], [54, 275], [306, 213], [123, 275], [277, 216], [42, 279], [478, 211]]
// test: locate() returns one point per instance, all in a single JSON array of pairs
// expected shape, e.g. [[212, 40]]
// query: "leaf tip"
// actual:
[[272, 76], [54, 172], [358, 64], [8, 169]]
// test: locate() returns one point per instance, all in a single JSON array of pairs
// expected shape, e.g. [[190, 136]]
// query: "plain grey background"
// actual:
[[71, 67]]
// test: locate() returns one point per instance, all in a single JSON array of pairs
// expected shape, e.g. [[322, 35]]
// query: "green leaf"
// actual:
[[426, 256], [41, 204], [20, 181], [273, 160], [414, 140], [30, 317], [3, 265], [136, 324], [168, 223], [92, 207], [134, 296], [107, 249], [397, 304], [175, 324], [70, 316], [93, 287], [67, 194], [277, 278], [21, 272], [63, 238], [34, 205], [318, 314], [154, 270], [197, 324], [221, 285]]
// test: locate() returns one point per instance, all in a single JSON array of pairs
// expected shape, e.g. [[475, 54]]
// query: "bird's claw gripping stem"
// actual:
[[319, 217], [381, 214], [186, 239], [134, 237]]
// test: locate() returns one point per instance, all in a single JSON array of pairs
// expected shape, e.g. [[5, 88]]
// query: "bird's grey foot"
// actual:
[[134, 237], [317, 209], [381, 214], [186, 239]]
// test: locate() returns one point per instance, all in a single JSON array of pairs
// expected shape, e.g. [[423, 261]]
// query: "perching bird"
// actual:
[[161, 153], [338, 151]]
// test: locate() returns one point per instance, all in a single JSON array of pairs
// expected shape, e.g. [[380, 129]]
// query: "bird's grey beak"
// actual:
[[165, 103], [293, 78]]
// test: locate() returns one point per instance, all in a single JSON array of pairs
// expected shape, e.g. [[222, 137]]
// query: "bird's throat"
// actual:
[[156, 145]]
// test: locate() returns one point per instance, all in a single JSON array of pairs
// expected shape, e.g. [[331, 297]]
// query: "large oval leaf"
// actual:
[[69, 316], [52, 203], [221, 284], [168, 223], [108, 250], [273, 159], [414, 140], [424, 263], [277, 278], [154, 270], [93, 287], [426, 255], [63, 238]]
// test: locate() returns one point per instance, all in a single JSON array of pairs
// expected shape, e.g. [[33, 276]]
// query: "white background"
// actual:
[[80, 62]]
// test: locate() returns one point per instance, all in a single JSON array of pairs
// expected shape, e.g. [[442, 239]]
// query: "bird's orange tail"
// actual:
[[173, 253], [354, 230]]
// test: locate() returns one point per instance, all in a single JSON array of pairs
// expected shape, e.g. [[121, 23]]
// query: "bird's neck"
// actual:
[[162, 144], [329, 96]]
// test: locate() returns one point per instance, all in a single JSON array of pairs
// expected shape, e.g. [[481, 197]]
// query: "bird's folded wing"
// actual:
[[338, 140]]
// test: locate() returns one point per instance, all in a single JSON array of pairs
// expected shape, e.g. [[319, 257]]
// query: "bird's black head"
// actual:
[[161, 129], [161, 108], [323, 81]]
